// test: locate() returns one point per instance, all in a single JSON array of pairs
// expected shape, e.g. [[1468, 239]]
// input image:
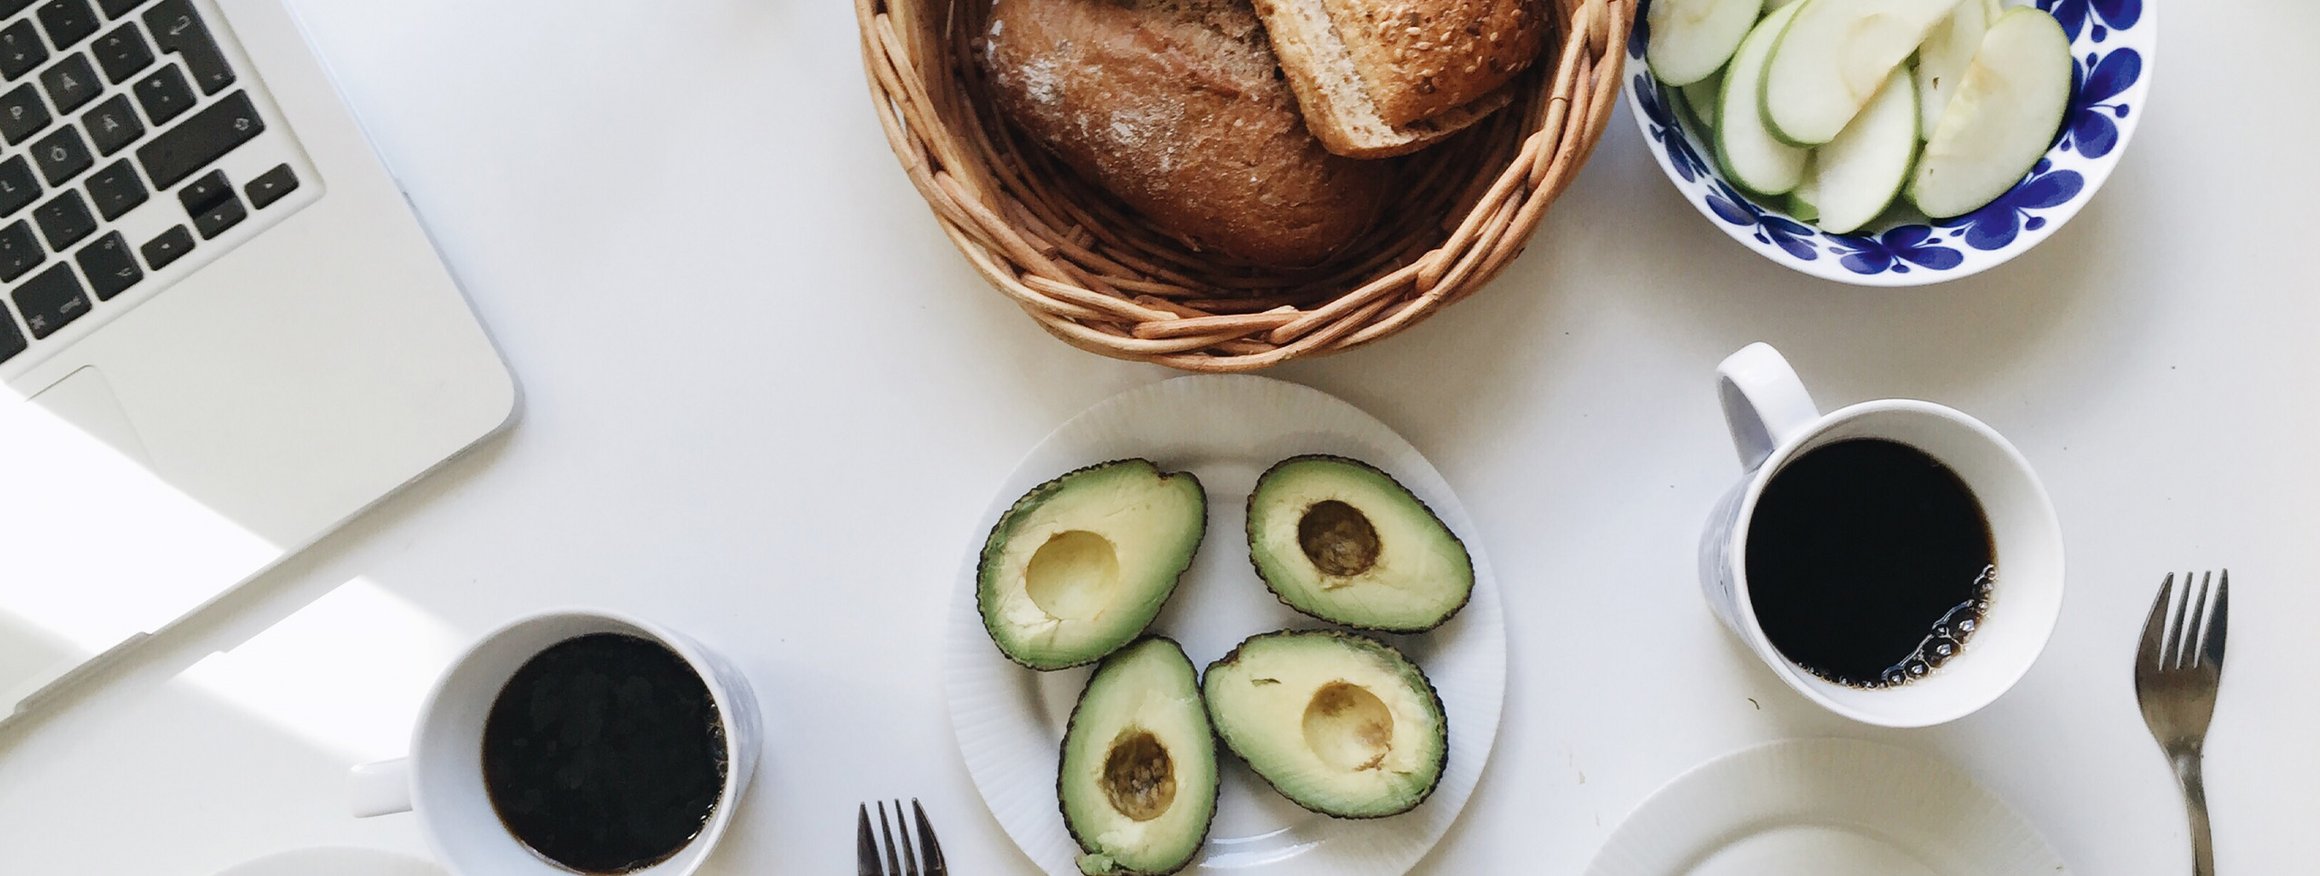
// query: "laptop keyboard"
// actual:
[[133, 141]]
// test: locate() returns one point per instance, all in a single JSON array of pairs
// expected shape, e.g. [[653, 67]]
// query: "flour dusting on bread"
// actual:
[[1178, 108]]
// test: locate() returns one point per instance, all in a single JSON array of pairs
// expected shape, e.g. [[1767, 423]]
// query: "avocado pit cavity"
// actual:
[[1338, 538], [1348, 727], [1139, 777]]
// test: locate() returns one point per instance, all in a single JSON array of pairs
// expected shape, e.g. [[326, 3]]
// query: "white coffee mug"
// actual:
[[1774, 422], [442, 779]]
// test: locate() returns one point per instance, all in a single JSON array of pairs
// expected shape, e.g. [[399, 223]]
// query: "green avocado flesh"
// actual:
[[1338, 723], [1138, 779], [1081, 564], [1341, 541]]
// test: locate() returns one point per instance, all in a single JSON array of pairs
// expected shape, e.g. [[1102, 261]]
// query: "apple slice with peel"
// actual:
[[1691, 39], [1835, 56], [1703, 99], [1752, 157], [1942, 60], [1855, 177], [2008, 105]]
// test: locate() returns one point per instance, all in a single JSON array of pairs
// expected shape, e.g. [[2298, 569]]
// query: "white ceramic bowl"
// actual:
[[2112, 43]]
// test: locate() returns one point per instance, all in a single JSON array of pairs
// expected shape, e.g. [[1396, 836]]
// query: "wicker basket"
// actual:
[[1095, 274]]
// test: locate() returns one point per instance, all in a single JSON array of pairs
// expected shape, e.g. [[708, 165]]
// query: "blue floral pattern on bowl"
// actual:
[[2112, 42]]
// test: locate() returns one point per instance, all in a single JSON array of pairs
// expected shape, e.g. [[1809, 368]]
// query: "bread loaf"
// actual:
[[1385, 77], [1178, 108]]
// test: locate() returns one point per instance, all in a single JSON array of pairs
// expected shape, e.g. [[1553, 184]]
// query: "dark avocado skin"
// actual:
[[1216, 784], [1441, 734], [996, 542], [1251, 526]]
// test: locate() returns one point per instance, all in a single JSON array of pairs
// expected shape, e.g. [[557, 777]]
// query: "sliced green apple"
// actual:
[[2008, 105], [1752, 157], [1691, 39], [1855, 176], [1702, 102], [1943, 59], [1833, 59]]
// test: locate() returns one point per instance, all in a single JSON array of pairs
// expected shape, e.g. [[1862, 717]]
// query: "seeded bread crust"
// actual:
[[1377, 78]]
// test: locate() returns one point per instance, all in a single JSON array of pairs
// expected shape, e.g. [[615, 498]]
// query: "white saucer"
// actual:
[[1825, 807], [335, 862], [1227, 430]]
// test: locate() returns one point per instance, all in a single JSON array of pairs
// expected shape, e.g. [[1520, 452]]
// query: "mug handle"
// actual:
[[1764, 401], [381, 788]]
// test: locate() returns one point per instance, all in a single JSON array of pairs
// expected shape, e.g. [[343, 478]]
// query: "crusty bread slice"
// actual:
[[1377, 78]]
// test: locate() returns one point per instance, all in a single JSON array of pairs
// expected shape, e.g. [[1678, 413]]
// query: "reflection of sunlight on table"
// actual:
[[107, 551], [346, 674]]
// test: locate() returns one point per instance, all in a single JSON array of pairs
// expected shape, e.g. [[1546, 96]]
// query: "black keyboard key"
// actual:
[[51, 299], [65, 220], [164, 94], [18, 187], [116, 189], [213, 219], [21, 49], [123, 53], [62, 155], [201, 139], [210, 188], [19, 250], [71, 83], [11, 341], [68, 21], [271, 186], [169, 247], [180, 31], [113, 125], [11, 7], [118, 8], [22, 114], [110, 267]]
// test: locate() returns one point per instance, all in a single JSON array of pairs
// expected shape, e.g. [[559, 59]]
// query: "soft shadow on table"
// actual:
[[142, 668]]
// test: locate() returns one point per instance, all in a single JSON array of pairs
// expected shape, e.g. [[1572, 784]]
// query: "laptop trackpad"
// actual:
[[85, 399]]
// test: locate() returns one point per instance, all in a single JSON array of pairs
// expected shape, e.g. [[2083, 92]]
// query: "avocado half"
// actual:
[[1338, 539], [1081, 564], [1138, 781], [1339, 723]]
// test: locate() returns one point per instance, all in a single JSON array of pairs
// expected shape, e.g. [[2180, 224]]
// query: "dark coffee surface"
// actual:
[[604, 753], [1869, 562]]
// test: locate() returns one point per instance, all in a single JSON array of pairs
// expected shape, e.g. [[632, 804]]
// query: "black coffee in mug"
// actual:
[[604, 753], [1870, 564]]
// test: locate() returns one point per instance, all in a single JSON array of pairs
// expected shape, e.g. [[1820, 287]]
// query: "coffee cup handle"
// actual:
[[381, 788], [1764, 401]]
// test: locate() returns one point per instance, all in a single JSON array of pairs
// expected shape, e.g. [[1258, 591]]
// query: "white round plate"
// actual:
[[335, 862], [1825, 807], [1227, 430]]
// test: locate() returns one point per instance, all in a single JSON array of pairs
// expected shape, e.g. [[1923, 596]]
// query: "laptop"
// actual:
[[223, 332]]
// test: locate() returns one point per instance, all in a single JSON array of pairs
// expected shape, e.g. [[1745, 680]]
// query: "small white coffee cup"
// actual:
[[1773, 422], [442, 779]]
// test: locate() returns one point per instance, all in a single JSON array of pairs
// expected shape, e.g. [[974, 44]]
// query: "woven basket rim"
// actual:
[[1094, 274]]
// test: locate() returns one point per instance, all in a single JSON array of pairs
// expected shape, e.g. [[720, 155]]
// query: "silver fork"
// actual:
[[2176, 674], [876, 858]]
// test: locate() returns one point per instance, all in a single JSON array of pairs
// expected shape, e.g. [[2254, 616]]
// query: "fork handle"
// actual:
[[2187, 772]]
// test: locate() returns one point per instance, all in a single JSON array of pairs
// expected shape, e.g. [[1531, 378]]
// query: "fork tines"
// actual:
[[2187, 630], [880, 854]]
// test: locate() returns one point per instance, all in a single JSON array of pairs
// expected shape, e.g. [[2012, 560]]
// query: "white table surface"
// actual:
[[766, 401]]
